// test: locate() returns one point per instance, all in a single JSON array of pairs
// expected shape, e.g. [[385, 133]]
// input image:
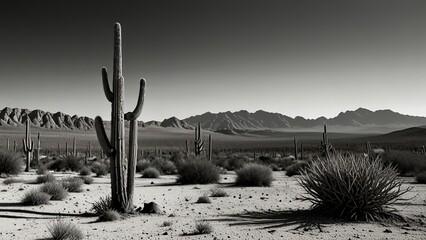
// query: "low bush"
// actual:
[[150, 173], [296, 168], [198, 171], [85, 172], [407, 163], [218, 192], [164, 166], [203, 228], [10, 163], [104, 204], [55, 190], [87, 180], [142, 165], [421, 177], [254, 174], [73, 184], [204, 199], [41, 169], [274, 167], [100, 169], [352, 187], [45, 178], [109, 216], [65, 231], [8, 181], [35, 197], [67, 163]]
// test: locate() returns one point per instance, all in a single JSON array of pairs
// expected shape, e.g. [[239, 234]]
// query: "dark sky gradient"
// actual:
[[308, 58]]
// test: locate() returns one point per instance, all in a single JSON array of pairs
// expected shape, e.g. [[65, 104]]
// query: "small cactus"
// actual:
[[28, 144], [198, 142]]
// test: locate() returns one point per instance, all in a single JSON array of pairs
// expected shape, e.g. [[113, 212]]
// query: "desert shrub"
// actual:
[[73, 184], [198, 171], [407, 163], [100, 169], [254, 174], [218, 192], [203, 228], [167, 224], [109, 216], [54, 189], [35, 197], [10, 163], [104, 204], [296, 168], [142, 165], [45, 178], [57, 165], [204, 199], [65, 231], [8, 181], [283, 163], [178, 157], [87, 179], [421, 177], [351, 187], [164, 166], [150, 173], [274, 167], [41, 169], [73, 163], [85, 171]]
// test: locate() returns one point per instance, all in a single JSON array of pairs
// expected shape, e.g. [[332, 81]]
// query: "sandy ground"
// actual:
[[247, 213]]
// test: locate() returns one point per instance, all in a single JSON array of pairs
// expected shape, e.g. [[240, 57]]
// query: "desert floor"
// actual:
[[247, 213]]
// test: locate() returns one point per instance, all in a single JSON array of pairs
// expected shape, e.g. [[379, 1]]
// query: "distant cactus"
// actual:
[[122, 169], [295, 148], [74, 147], [210, 147], [37, 150], [325, 144], [28, 144], [198, 141], [8, 145]]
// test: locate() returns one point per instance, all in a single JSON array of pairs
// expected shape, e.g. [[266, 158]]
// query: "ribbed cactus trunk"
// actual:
[[28, 145], [66, 148], [122, 170]]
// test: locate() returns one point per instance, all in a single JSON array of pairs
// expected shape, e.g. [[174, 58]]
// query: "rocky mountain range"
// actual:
[[18, 117], [266, 120], [224, 121]]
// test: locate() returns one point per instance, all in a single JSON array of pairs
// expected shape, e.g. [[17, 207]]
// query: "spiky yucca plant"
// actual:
[[352, 187]]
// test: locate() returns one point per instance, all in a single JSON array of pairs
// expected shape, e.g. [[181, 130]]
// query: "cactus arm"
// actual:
[[138, 109], [107, 89], [24, 143], [102, 137]]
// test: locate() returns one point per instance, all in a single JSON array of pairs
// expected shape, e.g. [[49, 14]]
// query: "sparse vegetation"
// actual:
[[203, 228], [254, 174], [55, 190], [66, 163], [109, 216], [46, 178], [142, 165], [10, 163], [204, 199], [167, 224], [10, 180], [73, 184], [407, 163], [85, 171], [150, 172], [198, 172], [62, 230], [104, 204], [41, 169], [100, 169], [352, 187], [218, 192], [296, 168], [87, 180], [421, 177], [35, 197]]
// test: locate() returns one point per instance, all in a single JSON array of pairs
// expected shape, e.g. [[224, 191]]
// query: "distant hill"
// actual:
[[414, 134], [175, 123], [18, 117], [266, 120]]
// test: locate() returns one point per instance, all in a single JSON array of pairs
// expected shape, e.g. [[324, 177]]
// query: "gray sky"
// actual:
[[307, 58]]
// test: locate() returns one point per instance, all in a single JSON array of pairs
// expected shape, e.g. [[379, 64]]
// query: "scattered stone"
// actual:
[[387, 231]]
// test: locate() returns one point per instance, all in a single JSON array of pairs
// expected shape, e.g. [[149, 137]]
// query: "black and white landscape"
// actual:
[[212, 119]]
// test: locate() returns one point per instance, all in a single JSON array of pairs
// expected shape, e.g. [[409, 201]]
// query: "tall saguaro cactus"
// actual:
[[28, 145], [74, 147], [198, 141], [295, 147], [122, 170]]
